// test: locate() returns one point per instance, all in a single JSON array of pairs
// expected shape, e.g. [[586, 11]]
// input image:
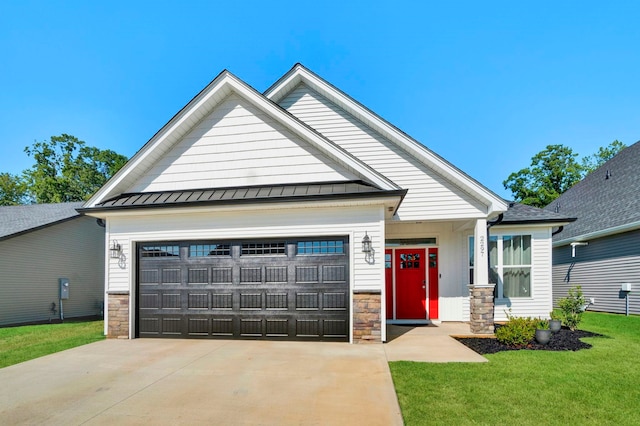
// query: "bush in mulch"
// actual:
[[563, 340]]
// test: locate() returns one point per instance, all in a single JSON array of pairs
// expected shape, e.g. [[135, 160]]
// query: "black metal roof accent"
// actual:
[[245, 195], [18, 220], [606, 198], [521, 214]]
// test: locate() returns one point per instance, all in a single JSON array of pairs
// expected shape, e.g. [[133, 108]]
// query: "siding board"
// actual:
[[430, 196], [600, 268], [237, 145]]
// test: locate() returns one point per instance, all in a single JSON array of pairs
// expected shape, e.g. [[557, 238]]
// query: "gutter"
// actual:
[[599, 234]]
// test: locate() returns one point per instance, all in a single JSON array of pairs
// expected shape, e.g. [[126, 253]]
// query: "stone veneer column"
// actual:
[[367, 325], [118, 317], [482, 308]]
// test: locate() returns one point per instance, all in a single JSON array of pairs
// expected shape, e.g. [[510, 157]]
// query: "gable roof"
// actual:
[[18, 220], [299, 74], [521, 214], [606, 201], [198, 108]]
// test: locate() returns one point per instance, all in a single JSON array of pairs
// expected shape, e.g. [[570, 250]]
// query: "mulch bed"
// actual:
[[563, 340]]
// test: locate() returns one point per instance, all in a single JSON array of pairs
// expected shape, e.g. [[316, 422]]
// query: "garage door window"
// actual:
[[320, 247], [204, 250], [264, 248], [160, 251]]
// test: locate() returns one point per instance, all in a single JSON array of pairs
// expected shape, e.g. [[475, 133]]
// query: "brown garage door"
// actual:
[[259, 289]]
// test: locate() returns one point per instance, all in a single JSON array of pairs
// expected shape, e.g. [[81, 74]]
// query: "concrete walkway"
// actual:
[[429, 343]]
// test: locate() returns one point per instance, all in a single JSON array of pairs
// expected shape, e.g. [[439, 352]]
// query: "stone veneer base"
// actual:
[[482, 309], [367, 325], [118, 308]]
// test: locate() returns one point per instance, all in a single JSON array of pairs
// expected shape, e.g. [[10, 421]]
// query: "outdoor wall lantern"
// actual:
[[115, 249], [366, 244]]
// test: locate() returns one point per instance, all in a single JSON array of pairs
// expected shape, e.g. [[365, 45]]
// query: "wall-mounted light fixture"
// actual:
[[115, 249], [366, 244]]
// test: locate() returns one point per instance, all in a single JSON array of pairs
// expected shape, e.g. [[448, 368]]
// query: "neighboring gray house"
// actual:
[[39, 244], [601, 250]]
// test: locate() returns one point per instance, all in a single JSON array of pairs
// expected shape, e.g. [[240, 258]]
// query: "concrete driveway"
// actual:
[[149, 381]]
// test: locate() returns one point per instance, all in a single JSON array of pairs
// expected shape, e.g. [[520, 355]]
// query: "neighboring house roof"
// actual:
[[250, 194], [606, 201], [299, 74], [18, 220], [520, 214], [200, 106]]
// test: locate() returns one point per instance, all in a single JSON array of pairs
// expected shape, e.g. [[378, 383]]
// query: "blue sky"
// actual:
[[484, 84]]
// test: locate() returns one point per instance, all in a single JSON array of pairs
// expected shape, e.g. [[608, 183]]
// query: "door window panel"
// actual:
[[410, 261]]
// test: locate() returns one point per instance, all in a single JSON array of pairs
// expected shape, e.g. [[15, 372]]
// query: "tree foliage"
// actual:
[[12, 190], [65, 169], [554, 170], [604, 154]]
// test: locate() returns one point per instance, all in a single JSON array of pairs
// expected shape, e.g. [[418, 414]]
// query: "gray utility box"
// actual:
[[64, 288], [625, 287]]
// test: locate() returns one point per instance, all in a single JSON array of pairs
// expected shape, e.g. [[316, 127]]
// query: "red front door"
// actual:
[[411, 290]]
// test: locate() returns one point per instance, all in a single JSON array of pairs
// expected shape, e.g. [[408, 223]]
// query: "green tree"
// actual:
[[552, 171], [12, 190], [604, 154], [66, 169]]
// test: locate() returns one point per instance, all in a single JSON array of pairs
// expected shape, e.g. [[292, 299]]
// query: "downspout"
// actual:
[[557, 231]]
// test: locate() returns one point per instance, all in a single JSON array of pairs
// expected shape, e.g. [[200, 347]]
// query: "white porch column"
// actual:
[[481, 251], [481, 292]]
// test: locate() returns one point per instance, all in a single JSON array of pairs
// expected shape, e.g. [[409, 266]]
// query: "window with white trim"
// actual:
[[510, 261]]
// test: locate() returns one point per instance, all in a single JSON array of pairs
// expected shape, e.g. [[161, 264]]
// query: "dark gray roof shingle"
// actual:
[[16, 220], [518, 214], [606, 198]]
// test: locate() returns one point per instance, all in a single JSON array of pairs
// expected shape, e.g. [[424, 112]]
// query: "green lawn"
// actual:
[[599, 386], [18, 344]]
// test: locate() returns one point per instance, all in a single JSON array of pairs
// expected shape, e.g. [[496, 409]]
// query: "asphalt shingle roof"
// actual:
[[521, 214], [606, 198], [16, 220]]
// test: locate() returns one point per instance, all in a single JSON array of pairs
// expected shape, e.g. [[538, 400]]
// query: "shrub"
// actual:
[[571, 307], [518, 331], [542, 324]]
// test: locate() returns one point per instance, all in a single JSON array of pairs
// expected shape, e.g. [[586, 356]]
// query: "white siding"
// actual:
[[31, 264], [238, 145], [430, 196], [276, 223], [540, 302]]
